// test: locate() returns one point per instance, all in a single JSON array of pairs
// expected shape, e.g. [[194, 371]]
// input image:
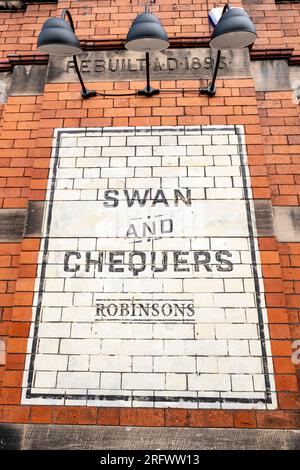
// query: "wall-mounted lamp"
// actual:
[[57, 37], [147, 35], [234, 30]]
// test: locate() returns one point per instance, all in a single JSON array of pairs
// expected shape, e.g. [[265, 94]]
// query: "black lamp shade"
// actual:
[[58, 38], [146, 34], [234, 30]]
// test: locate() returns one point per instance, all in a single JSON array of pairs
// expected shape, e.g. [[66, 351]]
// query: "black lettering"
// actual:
[[179, 196], [124, 310], [155, 307], [95, 262], [137, 268], [166, 226], [190, 307], [67, 259], [112, 310], [204, 262], [131, 231], [150, 229], [136, 197], [166, 310], [145, 309], [113, 261], [107, 197], [178, 260], [160, 198], [164, 262], [228, 264], [99, 310]]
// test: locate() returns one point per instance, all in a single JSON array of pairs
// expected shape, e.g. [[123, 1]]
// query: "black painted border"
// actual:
[[267, 398]]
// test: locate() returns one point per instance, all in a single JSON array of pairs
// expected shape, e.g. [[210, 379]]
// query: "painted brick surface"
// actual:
[[151, 293]]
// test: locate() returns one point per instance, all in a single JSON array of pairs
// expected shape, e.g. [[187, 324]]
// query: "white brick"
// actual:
[[238, 347], [196, 181], [142, 182], [176, 382], [224, 193], [110, 381], [195, 171], [174, 364], [214, 382], [259, 382], [92, 151], [204, 331], [168, 150], [138, 347], [78, 380], [93, 141], [118, 151], [190, 140], [206, 347], [79, 362], [220, 150], [234, 300], [81, 330], [242, 383], [142, 330], [234, 285], [112, 330], [174, 347], [45, 379], [173, 331], [52, 314], [235, 315], [169, 172], [50, 362], [72, 152], [168, 140], [110, 363], [203, 285], [220, 140], [223, 182], [66, 173], [54, 330], [196, 161], [207, 364], [111, 346], [88, 195], [77, 346], [240, 365], [143, 140], [142, 364], [117, 141], [117, 172], [143, 151], [196, 150], [48, 345], [143, 381], [222, 170], [236, 331]]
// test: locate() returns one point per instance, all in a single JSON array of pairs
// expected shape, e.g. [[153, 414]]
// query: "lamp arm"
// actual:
[[85, 93], [211, 89]]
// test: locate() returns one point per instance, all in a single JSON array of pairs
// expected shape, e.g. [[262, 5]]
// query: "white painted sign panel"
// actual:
[[149, 289]]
